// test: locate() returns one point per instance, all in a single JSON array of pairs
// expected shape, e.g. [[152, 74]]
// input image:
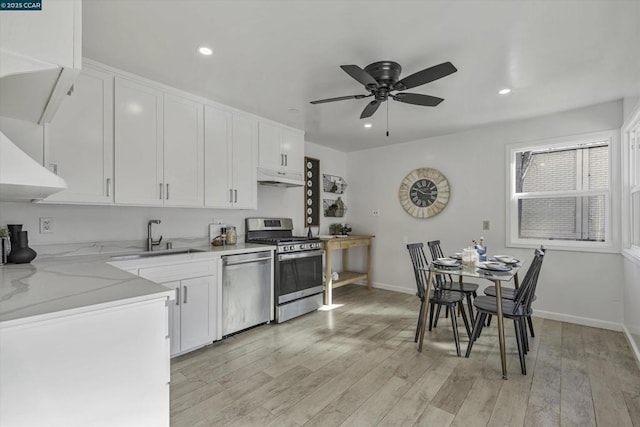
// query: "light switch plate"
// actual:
[[485, 224]]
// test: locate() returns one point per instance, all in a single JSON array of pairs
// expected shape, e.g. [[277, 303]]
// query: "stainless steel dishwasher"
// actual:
[[246, 290]]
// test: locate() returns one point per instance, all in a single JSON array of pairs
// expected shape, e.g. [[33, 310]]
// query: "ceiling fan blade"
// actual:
[[370, 109], [340, 98], [360, 75], [425, 76], [418, 99]]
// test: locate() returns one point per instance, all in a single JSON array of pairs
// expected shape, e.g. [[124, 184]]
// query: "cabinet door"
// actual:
[[217, 158], [293, 150], [79, 142], [195, 312], [174, 317], [271, 156], [183, 152], [245, 191], [138, 143]]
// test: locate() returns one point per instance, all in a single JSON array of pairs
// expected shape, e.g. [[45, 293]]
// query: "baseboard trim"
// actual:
[[634, 347], [387, 287], [586, 321]]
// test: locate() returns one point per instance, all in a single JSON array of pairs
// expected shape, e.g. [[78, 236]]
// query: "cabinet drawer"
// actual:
[[168, 273], [346, 244]]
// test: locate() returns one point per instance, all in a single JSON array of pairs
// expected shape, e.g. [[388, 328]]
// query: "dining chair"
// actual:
[[517, 309], [510, 294], [446, 282], [439, 296]]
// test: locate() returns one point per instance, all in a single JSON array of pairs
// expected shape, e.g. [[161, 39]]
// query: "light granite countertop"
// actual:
[[54, 286]]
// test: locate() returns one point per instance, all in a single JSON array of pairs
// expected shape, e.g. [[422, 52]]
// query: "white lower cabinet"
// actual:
[[103, 367], [193, 315]]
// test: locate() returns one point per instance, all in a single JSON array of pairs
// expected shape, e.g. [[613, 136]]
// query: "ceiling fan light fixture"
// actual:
[[205, 51], [504, 91]]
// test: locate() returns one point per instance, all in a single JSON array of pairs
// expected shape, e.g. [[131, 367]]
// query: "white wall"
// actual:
[[578, 286], [631, 291]]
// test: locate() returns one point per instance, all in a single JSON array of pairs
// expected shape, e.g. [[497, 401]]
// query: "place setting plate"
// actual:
[[493, 266], [446, 262], [506, 259]]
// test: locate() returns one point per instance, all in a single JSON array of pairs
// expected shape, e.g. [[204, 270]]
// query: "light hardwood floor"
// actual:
[[357, 365]]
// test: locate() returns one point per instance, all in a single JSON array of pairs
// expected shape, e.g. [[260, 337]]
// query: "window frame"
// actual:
[[612, 223], [630, 182]]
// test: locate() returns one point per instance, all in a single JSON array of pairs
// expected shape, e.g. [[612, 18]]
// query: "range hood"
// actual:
[[22, 179], [30, 89], [279, 179]]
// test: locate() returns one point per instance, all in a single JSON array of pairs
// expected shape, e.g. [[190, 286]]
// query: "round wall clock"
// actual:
[[424, 192]]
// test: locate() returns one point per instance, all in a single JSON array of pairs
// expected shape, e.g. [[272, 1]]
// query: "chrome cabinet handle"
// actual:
[[281, 159], [108, 187], [185, 295], [160, 186], [54, 168], [286, 160], [178, 296], [167, 191], [235, 198], [230, 195]]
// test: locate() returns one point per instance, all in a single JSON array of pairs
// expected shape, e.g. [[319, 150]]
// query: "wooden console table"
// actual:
[[345, 277]]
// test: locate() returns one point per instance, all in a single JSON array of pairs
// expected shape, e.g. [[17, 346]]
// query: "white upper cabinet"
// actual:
[[281, 148], [52, 35], [230, 159], [245, 147], [138, 143], [40, 58], [183, 152], [79, 141]]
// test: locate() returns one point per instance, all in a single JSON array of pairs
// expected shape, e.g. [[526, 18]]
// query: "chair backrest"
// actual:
[[527, 290], [436, 252], [420, 264]]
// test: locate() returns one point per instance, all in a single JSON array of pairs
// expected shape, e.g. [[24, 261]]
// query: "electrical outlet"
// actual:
[[46, 225], [485, 224], [375, 212]]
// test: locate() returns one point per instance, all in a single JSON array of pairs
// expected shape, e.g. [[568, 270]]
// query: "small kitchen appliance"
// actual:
[[298, 285]]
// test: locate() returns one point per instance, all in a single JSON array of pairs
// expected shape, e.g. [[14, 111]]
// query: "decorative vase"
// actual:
[[14, 231], [21, 253]]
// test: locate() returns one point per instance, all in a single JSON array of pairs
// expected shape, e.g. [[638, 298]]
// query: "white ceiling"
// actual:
[[273, 56]]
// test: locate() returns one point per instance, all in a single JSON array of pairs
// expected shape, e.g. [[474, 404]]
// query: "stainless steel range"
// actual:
[[298, 266]]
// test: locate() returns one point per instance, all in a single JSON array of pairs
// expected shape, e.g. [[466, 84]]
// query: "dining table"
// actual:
[[474, 271]]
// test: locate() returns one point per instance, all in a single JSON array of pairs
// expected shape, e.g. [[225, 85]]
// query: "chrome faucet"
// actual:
[[150, 242]]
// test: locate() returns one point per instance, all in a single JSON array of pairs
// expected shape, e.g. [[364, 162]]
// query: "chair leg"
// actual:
[[518, 328], [435, 321], [456, 337], [446, 312], [463, 312], [422, 304], [477, 325], [530, 322], [489, 320], [433, 306], [525, 338], [470, 305]]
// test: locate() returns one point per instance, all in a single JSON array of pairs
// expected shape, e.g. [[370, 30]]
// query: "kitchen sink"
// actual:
[[148, 254]]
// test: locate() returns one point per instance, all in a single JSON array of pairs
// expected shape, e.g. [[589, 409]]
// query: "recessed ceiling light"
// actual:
[[205, 50], [368, 125], [504, 91]]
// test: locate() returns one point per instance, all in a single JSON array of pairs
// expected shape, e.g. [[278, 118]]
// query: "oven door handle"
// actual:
[[298, 255]]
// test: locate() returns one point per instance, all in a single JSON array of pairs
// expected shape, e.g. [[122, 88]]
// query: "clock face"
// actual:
[[424, 192]]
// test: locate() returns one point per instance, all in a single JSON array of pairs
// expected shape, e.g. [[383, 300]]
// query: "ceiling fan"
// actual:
[[383, 77]]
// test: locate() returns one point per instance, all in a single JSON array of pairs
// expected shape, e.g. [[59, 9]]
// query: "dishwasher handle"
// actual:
[[245, 261]]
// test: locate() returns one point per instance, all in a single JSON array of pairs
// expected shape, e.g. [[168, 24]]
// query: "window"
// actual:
[[560, 193], [631, 184]]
